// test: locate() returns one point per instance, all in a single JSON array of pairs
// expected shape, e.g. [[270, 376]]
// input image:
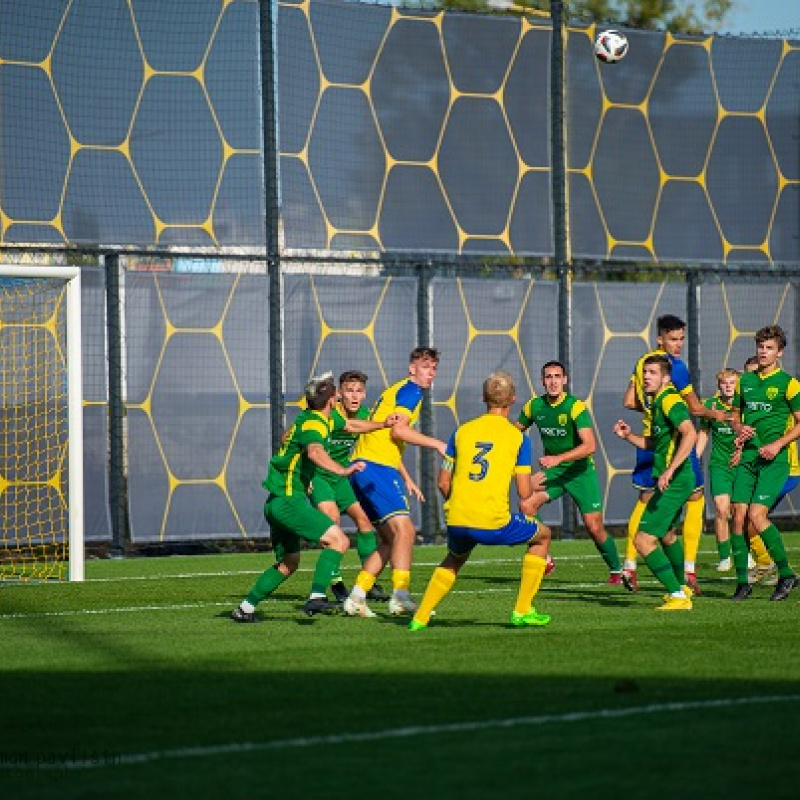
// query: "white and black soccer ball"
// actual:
[[610, 46]]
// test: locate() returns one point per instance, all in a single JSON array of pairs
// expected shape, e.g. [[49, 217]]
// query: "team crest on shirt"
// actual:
[[772, 392], [562, 419]]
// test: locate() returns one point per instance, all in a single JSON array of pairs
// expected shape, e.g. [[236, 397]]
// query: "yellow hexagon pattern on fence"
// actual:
[[194, 215]]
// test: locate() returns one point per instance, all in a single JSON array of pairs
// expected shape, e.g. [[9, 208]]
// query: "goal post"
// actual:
[[41, 423]]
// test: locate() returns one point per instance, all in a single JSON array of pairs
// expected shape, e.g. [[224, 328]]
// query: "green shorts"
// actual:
[[327, 488], [760, 481], [663, 510], [292, 519], [579, 481], [721, 479]]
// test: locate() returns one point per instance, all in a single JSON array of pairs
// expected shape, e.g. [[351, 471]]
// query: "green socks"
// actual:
[[675, 554], [267, 583], [724, 549], [663, 570], [773, 541], [739, 547], [366, 544], [327, 565], [608, 550]]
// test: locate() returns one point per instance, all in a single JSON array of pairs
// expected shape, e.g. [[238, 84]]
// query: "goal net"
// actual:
[[41, 453]]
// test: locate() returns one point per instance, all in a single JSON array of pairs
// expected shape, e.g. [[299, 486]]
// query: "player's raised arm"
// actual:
[[403, 432], [631, 398], [317, 453], [697, 409], [623, 430], [359, 426]]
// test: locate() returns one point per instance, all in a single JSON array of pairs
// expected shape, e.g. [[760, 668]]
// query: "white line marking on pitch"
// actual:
[[132, 759], [304, 569], [76, 612]]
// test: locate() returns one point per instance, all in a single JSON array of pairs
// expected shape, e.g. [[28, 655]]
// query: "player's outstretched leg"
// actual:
[[605, 545], [267, 583], [524, 613], [439, 585], [328, 564]]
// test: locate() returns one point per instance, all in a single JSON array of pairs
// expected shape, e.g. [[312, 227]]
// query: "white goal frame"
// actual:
[[72, 277]]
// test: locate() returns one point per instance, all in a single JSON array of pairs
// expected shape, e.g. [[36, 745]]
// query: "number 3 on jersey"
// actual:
[[479, 459]]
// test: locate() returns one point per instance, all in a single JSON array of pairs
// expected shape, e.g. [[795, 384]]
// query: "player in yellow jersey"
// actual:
[[380, 488], [483, 457], [333, 495]]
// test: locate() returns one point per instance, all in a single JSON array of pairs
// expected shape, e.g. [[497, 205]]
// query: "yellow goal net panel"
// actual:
[[34, 514]]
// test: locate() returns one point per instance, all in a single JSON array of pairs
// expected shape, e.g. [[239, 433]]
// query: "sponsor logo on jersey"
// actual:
[[755, 405], [553, 432]]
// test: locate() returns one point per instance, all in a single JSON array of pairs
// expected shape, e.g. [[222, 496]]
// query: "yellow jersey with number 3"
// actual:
[[484, 455]]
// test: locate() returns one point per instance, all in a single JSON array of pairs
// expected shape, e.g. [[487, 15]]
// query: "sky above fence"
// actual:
[[756, 16]]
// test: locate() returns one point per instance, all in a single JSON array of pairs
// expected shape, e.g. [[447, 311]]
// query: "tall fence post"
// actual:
[[272, 216], [117, 487], [693, 283], [561, 218], [427, 468]]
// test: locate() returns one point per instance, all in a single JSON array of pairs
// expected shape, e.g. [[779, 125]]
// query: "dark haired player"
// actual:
[[290, 516], [567, 432]]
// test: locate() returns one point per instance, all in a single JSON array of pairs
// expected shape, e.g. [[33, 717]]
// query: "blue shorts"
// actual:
[[518, 530], [642, 475], [380, 491], [791, 483]]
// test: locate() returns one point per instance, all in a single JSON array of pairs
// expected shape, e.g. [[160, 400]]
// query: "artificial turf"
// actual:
[[136, 684]]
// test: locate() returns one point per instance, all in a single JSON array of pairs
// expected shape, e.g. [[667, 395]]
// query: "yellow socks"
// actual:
[[763, 558], [693, 528], [633, 529], [365, 581], [439, 585], [401, 580], [532, 574]]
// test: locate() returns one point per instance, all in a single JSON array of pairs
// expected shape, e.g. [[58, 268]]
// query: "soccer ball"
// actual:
[[610, 46]]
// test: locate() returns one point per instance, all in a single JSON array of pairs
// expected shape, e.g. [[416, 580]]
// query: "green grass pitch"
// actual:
[[135, 684]]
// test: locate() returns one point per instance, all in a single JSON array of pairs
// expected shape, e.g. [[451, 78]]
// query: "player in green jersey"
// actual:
[[672, 438], [720, 470], [766, 418], [567, 434], [670, 339], [762, 568], [333, 494], [291, 517]]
